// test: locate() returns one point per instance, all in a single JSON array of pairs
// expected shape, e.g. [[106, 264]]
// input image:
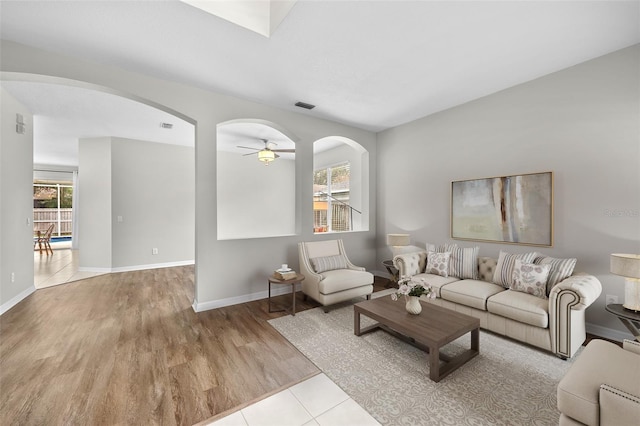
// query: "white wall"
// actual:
[[94, 227], [229, 271], [16, 204], [254, 200], [582, 123]]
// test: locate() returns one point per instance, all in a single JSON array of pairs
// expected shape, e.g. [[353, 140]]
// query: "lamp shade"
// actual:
[[397, 240], [626, 265], [266, 156]]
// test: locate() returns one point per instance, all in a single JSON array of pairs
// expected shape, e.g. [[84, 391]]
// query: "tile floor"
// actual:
[[58, 268], [316, 401]]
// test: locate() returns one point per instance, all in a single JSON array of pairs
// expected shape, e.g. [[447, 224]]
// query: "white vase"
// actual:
[[413, 305]]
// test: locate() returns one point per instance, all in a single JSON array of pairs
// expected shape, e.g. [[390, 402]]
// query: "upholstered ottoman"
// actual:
[[602, 387]]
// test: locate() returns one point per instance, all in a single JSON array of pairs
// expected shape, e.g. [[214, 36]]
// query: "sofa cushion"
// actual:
[[530, 278], [486, 268], [560, 269], [601, 362], [521, 307], [436, 281], [464, 262], [472, 293], [438, 263], [343, 279], [328, 263], [504, 270]]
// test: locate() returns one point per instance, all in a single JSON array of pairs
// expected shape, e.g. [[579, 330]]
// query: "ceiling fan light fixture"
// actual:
[[266, 156]]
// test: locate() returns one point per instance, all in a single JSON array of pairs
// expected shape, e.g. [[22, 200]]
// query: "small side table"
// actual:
[[393, 271], [292, 282], [630, 319]]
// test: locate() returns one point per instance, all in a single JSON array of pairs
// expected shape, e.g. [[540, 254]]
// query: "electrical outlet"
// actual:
[[154, 251], [13, 277], [611, 299]]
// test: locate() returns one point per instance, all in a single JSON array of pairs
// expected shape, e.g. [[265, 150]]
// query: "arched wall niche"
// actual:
[[340, 206], [256, 180]]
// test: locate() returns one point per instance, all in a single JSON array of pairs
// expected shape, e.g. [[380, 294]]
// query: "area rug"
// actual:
[[508, 383]]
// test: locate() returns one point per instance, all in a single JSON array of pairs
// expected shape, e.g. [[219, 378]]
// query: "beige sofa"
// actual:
[[556, 324], [602, 387]]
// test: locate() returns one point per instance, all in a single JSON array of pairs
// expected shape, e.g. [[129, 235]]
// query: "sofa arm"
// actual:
[[586, 288], [618, 407], [410, 264], [567, 303]]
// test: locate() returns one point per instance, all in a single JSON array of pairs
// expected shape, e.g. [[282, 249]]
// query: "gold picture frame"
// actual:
[[515, 209]]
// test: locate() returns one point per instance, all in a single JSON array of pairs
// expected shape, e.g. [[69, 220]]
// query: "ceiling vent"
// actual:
[[304, 105], [166, 125]]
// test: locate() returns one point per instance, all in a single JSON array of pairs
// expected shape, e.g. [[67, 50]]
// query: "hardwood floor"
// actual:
[[128, 348]]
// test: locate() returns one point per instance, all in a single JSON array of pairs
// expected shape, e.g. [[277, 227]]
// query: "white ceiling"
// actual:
[[370, 64]]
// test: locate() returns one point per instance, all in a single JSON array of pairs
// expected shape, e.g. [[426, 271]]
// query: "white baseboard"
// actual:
[[213, 304], [608, 333], [15, 300], [137, 267]]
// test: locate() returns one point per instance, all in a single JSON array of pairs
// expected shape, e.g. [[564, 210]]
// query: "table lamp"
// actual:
[[628, 266], [397, 242]]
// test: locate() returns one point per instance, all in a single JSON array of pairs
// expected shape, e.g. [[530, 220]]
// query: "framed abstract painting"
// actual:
[[508, 209]]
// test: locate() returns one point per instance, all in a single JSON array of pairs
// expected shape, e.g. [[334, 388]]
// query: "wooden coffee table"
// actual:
[[433, 328]]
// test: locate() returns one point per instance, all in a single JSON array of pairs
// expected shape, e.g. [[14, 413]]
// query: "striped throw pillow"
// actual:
[[504, 269], [328, 263], [560, 269], [464, 262]]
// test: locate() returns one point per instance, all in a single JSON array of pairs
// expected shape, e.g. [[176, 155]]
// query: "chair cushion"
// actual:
[[436, 281], [328, 263], [521, 307], [472, 293], [343, 279]]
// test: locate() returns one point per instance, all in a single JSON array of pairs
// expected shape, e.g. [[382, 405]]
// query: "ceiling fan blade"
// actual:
[[251, 153], [276, 156], [283, 150], [248, 147]]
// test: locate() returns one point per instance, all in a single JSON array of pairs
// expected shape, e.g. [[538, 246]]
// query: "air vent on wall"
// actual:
[[166, 125], [304, 105]]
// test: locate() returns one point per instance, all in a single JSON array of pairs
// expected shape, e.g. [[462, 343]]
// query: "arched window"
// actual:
[[340, 185]]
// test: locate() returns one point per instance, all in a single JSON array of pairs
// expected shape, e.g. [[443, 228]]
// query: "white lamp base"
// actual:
[[632, 294]]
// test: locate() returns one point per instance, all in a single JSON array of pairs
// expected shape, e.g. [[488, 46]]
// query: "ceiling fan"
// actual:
[[266, 154]]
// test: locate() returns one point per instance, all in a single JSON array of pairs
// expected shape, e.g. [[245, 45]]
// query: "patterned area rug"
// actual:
[[508, 383]]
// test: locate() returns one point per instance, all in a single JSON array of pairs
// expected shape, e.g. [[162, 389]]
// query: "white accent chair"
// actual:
[[329, 275]]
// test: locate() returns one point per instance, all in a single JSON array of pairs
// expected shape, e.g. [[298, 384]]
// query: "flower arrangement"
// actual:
[[409, 287]]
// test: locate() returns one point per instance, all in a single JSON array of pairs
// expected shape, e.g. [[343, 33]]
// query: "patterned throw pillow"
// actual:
[[328, 263], [463, 262], [560, 269], [438, 263], [447, 248], [504, 270], [530, 278]]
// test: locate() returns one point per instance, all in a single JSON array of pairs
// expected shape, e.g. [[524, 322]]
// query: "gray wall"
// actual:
[[16, 203], [94, 216], [582, 123], [153, 191], [229, 271], [150, 187]]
